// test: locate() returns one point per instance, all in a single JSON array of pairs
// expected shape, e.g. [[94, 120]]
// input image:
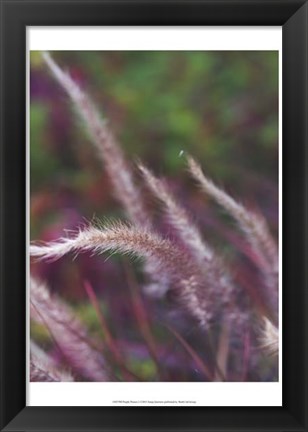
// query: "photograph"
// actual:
[[154, 216]]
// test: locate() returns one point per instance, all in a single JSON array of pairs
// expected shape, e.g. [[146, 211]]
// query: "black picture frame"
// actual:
[[16, 15]]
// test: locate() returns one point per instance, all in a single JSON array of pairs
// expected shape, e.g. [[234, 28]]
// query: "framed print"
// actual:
[[154, 215]]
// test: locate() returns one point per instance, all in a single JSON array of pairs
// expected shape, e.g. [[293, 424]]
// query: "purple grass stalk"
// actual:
[[199, 362], [44, 368], [256, 231], [165, 256], [110, 342], [143, 320], [68, 333], [108, 338], [223, 352], [123, 238], [270, 338], [178, 217], [253, 225], [119, 171], [37, 373], [180, 220]]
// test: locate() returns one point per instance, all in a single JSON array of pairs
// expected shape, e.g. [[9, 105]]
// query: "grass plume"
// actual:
[[199, 298], [117, 167], [44, 368], [178, 217], [252, 225], [68, 332], [270, 338], [256, 232]]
